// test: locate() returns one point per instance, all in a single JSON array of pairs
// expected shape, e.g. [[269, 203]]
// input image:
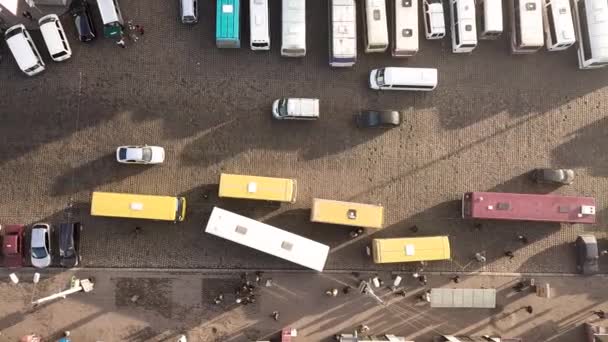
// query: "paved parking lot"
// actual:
[[492, 119]]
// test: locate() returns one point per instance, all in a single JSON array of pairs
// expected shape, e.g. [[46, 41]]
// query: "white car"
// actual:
[[41, 245], [140, 154], [295, 109]]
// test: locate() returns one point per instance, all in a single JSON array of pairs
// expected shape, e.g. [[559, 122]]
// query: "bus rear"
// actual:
[[342, 33], [258, 188], [411, 249], [227, 24], [347, 213], [528, 207], [150, 207], [404, 29]]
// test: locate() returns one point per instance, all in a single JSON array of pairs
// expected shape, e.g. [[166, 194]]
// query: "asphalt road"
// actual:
[[492, 118]]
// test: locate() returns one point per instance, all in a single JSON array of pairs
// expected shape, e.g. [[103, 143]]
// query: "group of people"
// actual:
[[133, 30], [245, 293]]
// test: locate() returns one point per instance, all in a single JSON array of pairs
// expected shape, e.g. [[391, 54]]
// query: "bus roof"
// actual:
[[256, 187], [344, 28], [134, 206], [347, 213], [597, 23], [528, 207], [293, 24], [268, 239], [531, 27], [411, 249], [227, 21]]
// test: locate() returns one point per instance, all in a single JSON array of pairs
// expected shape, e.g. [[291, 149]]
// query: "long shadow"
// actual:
[[95, 173], [583, 149]]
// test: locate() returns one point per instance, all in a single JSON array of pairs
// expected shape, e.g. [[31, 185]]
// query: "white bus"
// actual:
[[293, 27], [375, 37], [434, 19], [267, 239], [259, 25], [396, 78], [559, 28], [404, 29], [527, 34], [491, 19], [342, 33], [591, 18], [464, 27]]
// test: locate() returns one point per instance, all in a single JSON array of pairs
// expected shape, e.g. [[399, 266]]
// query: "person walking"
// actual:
[[27, 15], [479, 257], [522, 238], [275, 315], [510, 254], [601, 314]]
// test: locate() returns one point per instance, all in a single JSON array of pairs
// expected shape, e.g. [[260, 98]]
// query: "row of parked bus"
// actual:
[[308, 253], [534, 24]]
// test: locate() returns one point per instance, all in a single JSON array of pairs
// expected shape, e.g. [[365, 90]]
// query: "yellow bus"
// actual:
[[258, 188], [411, 249], [150, 207], [347, 213]]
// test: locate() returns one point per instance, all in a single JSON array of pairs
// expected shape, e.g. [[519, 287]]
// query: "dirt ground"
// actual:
[[136, 306]]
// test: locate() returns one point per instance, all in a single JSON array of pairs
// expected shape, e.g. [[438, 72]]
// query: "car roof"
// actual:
[[66, 235], [50, 32], [23, 53], [10, 244], [134, 153], [38, 237]]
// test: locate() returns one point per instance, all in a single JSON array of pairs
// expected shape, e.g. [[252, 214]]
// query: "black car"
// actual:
[[69, 244], [378, 118], [587, 255], [83, 21], [553, 176]]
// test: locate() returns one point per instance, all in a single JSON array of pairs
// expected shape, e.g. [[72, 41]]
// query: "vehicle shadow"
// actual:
[[523, 184], [583, 149], [93, 174]]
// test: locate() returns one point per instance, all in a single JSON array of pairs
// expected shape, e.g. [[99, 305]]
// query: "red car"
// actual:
[[12, 245]]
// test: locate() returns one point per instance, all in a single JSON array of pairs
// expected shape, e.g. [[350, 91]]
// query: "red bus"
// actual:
[[528, 207]]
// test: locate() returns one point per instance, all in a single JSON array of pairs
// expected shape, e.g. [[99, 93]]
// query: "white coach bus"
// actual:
[[527, 35], [342, 33], [591, 24], [559, 27], [259, 25], [491, 19], [404, 28], [464, 27], [293, 28], [375, 29], [268, 239]]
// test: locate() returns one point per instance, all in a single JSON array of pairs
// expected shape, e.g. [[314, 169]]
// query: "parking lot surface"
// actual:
[[493, 118]]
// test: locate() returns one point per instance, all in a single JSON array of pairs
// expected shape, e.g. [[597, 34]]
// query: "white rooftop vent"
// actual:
[[137, 206], [588, 210], [252, 187], [409, 250]]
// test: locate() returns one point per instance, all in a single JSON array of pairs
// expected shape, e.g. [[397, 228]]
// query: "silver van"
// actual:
[[188, 11], [55, 38], [295, 109], [24, 50]]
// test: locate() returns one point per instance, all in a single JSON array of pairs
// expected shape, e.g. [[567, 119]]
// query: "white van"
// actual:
[[54, 37], [491, 19], [188, 11], [394, 78], [434, 19], [295, 109], [24, 50], [464, 26], [259, 25]]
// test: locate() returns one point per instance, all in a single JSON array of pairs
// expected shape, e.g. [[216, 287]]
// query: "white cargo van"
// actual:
[[54, 37], [23, 49], [394, 78], [295, 109], [434, 19]]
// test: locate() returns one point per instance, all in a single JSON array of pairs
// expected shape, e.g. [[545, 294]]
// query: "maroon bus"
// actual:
[[528, 207]]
